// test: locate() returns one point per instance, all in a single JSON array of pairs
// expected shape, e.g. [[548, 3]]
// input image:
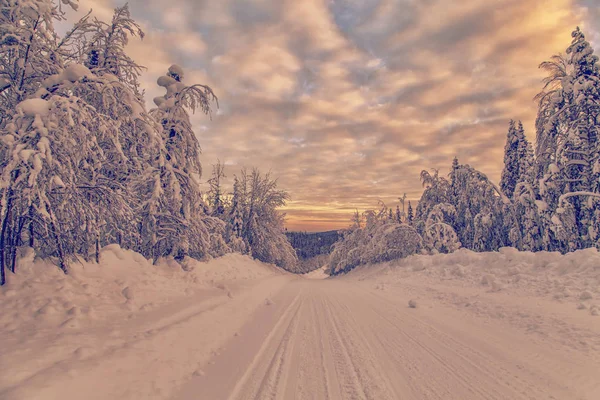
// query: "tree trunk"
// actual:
[[3, 239], [31, 229], [16, 244], [97, 240], [59, 249], [97, 250]]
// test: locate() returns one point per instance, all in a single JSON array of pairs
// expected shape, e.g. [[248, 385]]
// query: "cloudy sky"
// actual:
[[346, 101]]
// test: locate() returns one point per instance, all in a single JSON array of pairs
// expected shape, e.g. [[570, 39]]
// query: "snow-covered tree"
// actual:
[[104, 51], [235, 219], [525, 226], [216, 198], [510, 173], [62, 156], [380, 239], [262, 231], [436, 192], [357, 219], [525, 157], [439, 234], [27, 50], [567, 136], [183, 228], [474, 194]]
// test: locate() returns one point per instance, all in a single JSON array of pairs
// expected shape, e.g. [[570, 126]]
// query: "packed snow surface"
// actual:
[[505, 325]]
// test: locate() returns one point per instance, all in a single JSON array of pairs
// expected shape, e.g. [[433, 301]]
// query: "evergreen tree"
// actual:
[[569, 150], [215, 195], [510, 173], [525, 159], [236, 219], [410, 216]]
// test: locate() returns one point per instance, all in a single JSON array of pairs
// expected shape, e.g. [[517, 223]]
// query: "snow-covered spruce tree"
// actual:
[[216, 198], [510, 173], [235, 219], [518, 168], [177, 211], [525, 156], [474, 194], [409, 216], [567, 136], [524, 228], [262, 229]]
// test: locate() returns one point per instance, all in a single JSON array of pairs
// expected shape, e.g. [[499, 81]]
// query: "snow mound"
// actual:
[[33, 107], [41, 297], [572, 277], [176, 70], [75, 72], [165, 81], [319, 273]]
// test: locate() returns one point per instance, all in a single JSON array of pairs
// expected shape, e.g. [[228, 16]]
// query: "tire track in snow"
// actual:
[[272, 355], [313, 381], [348, 376], [374, 378], [331, 379], [462, 360]]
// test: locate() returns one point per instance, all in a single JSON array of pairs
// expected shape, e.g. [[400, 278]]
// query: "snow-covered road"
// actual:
[[504, 325], [345, 339]]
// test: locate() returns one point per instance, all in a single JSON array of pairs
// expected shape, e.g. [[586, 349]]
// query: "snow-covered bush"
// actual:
[[393, 241], [378, 241], [439, 234]]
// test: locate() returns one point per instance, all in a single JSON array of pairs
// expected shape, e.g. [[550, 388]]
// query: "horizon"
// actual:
[[346, 103]]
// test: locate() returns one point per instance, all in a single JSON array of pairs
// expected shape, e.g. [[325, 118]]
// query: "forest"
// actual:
[[84, 164], [548, 198]]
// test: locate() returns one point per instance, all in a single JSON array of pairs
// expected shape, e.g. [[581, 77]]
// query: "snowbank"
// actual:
[[573, 277], [55, 326], [320, 273], [41, 295]]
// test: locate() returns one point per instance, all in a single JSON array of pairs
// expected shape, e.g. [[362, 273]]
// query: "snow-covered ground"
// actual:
[[122, 329], [508, 325]]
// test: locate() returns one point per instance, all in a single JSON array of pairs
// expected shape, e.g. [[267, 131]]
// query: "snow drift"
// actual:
[[123, 313], [569, 278]]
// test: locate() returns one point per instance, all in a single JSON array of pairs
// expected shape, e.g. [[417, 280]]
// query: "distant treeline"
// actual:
[[308, 245]]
